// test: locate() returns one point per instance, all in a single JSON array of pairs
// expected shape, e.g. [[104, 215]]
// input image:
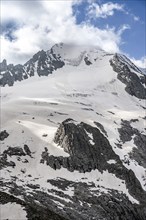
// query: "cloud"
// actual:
[[40, 24], [133, 16], [136, 18], [104, 10], [123, 28], [139, 62], [98, 10]]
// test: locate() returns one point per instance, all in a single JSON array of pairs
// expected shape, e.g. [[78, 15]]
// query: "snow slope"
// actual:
[[12, 211], [31, 111]]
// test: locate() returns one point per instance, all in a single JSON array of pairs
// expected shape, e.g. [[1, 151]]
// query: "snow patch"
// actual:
[[111, 162], [12, 211]]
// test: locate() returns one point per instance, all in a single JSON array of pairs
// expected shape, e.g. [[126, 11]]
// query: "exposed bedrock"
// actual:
[[127, 133], [126, 74], [3, 134], [42, 63], [88, 150]]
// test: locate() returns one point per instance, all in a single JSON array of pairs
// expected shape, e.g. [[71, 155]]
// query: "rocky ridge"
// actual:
[[44, 63], [127, 74]]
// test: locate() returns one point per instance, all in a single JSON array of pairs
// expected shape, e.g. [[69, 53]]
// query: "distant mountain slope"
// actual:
[[73, 142], [143, 70], [44, 63]]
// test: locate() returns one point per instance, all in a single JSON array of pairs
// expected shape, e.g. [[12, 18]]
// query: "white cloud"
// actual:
[[43, 23], [136, 18], [140, 63], [104, 10], [123, 28]]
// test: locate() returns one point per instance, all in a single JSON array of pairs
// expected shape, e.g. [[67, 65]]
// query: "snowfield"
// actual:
[[32, 110], [12, 211]]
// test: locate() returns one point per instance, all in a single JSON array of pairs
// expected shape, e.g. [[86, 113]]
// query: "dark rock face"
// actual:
[[5, 163], [7, 79], [87, 146], [3, 65], [33, 210], [100, 126], [85, 155], [139, 153], [3, 134], [27, 150], [87, 61], [125, 69], [17, 151], [11, 73], [11, 151], [84, 204], [143, 79], [47, 63], [127, 133], [106, 206], [43, 63]]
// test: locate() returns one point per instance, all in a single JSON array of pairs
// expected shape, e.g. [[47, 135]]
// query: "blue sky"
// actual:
[[115, 26], [134, 15]]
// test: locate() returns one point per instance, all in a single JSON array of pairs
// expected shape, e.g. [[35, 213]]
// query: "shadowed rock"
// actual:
[[127, 75], [88, 150], [127, 133], [43, 63], [3, 134], [14, 151]]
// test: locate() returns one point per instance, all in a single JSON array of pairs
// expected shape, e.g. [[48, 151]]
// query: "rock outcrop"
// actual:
[[3, 134], [88, 150], [126, 74], [42, 63], [87, 146], [127, 133]]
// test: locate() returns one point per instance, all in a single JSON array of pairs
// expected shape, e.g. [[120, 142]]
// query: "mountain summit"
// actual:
[[73, 136]]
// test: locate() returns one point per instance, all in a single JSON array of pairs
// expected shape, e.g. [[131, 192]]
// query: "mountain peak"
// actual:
[[3, 65], [63, 56], [73, 141]]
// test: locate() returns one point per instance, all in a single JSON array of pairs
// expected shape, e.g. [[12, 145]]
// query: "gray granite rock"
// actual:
[[127, 133], [3, 134], [126, 74], [42, 63], [14, 151], [85, 156]]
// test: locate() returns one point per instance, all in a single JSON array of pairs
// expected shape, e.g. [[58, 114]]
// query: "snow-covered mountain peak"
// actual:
[[59, 56], [74, 54], [73, 135]]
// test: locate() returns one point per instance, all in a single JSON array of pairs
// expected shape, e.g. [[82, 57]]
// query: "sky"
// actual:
[[114, 26]]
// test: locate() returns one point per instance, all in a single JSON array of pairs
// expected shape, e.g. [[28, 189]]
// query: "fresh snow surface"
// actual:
[[111, 162], [32, 110], [12, 211]]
